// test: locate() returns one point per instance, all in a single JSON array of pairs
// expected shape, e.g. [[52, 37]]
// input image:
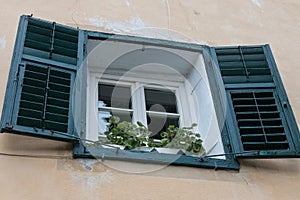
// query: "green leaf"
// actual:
[[114, 119], [164, 142], [194, 125], [140, 124], [132, 136]]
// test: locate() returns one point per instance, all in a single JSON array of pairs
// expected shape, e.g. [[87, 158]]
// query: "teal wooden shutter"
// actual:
[[38, 100], [260, 119]]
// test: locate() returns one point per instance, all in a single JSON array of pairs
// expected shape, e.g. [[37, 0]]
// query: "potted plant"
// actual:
[[174, 140]]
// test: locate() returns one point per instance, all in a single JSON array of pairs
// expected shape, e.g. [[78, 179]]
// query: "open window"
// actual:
[[155, 85], [64, 83]]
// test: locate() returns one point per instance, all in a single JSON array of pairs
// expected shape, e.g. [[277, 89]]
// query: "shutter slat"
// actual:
[[57, 118], [58, 102], [36, 53], [235, 50], [31, 122], [266, 146], [69, 31], [57, 109], [65, 51], [64, 59], [33, 90], [230, 58], [249, 79], [30, 113], [70, 46], [239, 64], [31, 105], [59, 94], [37, 45], [32, 97], [72, 40], [55, 126], [46, 32]]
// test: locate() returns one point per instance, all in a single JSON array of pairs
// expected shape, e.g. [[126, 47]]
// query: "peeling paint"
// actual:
[[87, 163], [251, 16], [201, 42], [248, 15], [136, 26], [3, 42], [137, 22], [256, 2], [91, 180], [127, 26], [127, 3]]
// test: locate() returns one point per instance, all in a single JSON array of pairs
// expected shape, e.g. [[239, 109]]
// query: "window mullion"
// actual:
[[182, 106], [138, 103], [92, 130]]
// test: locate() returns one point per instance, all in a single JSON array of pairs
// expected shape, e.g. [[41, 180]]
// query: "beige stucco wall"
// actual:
[[51, 173]]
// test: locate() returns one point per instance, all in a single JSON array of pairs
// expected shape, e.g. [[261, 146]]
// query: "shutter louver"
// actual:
[[45, 99], [51, 41], [259, 121]]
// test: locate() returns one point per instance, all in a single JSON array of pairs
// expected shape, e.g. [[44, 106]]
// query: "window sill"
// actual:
[[145, 149], [154, 157]]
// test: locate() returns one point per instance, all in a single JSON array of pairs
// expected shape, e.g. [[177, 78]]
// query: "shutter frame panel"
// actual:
[[51, 41], [260, 121], [243, 64], [38, 100], [263, 140]]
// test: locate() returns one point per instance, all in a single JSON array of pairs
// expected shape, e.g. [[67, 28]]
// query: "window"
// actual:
[[63, 84], [155, 105], [158, 107], [156, 102], [158, 86]]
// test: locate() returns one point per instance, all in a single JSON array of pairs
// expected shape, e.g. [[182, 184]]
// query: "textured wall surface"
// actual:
[[51, 173]]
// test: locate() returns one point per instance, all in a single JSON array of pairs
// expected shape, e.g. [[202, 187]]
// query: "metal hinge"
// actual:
[[84, 49], [18, 72]]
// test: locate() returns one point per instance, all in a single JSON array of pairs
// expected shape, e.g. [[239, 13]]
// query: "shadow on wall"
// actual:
[[24, 145]]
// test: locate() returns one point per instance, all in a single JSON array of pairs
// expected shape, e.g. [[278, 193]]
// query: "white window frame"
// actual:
[[186, 101]]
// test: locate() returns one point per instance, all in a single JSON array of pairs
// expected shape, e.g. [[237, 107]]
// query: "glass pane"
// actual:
[[160, 100], [158, 124], [114, 96], [104, 116]]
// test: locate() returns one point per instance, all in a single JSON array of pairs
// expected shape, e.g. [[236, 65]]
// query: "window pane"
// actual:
[[104, 116], [114, 96], [158, 124], [160, 101]]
